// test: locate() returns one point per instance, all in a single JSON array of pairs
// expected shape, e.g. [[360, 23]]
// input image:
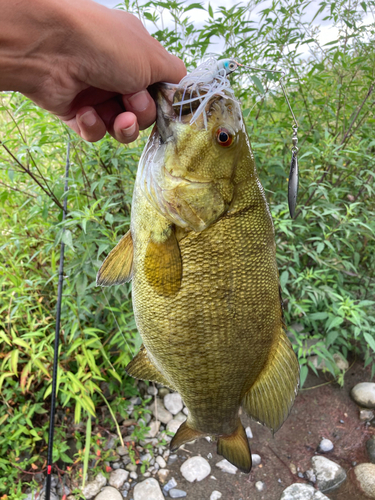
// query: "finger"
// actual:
[[143, 106], [125, 128], [91, 127]]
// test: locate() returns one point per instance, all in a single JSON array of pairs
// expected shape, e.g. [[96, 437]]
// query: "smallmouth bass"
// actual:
[[201, 255]]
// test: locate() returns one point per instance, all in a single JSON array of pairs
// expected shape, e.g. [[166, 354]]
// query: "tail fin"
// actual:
[[235, 448], [184, 435]]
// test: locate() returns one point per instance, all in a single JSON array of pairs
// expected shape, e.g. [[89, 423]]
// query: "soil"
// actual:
[[322, 409]]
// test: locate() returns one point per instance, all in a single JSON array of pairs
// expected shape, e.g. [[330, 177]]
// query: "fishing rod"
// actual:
[[57, 334]]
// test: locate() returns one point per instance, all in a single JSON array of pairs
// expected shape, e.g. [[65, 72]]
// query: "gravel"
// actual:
[[195, 469]]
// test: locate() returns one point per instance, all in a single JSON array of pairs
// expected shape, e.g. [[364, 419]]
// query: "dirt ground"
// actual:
[[319, 411]]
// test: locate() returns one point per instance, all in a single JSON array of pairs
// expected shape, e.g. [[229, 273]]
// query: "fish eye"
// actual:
[[224, 137]]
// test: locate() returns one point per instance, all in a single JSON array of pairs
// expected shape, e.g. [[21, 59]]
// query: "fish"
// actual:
[[201, 255]]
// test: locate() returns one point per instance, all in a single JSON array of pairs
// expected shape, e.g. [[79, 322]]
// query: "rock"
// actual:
[[173, 425], [300, 491], [256, 459], [329, 475], [293, 469], [152, 390], [122, 450], [162, 463], [163, 391], [163, 474], [170, 484], [366, 415], [172, 459], [249, 434], [325, 446], [370, 447], [154, 429], [110, 444], [93, 487], [173, 402], [195, 469], [215, 495], [118, 478], [259, 486], [186, 411], [364, 394], [133, 475], [175, 493], [310, 476], [146, 457], [365, 476], [226, 466], [131, 467], [148, 490], [109, 493], [160, 412], [180, 417]]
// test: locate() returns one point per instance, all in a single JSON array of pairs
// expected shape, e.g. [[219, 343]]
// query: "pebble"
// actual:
[[152, 390], [300, 491], [215, 495], [195, 469], [134, 475], [173, 403], [366, 415], [163, 474], [172, 459], [162, 463], [310, 476], [226, 466], [160, 412], [365, 476], [259, 486], [173, 425], [325, 446], [256, 459], [109, 493], [370, 447], [131, 467], [329, 475], [186, 411], [148, 490], [154, 429], [364, 394], [180, 417], [249, 434], [175, 493], [118, 478], [163, 391], [172, 483], [93, 487]]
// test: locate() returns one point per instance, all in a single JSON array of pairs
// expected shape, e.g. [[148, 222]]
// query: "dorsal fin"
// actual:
[[142, 368], [117, 267], [271, 397]]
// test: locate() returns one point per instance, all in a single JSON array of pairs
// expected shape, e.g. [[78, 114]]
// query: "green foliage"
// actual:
[[326, 256]]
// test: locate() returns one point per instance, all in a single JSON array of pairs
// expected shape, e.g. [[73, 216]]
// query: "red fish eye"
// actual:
[[224, 138]]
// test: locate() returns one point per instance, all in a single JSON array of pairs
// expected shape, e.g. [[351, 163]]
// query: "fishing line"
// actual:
[[57, 333]]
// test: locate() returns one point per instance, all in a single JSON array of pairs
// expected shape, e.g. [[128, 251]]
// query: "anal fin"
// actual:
[[117, 267], [271, 397], [184, 434], [142, 368], [235, 448]]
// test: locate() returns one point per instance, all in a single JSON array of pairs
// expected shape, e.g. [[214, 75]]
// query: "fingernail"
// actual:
[[139, 101], [129, 132], [88, 118]]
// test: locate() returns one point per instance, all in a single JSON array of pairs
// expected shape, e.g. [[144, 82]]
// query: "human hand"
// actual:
[[87, 64]]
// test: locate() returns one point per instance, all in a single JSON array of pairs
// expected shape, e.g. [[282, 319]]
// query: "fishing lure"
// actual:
[[211, 78]]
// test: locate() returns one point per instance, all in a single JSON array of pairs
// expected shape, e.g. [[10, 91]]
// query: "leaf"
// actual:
[[258, 84], [67, 239], [210, 11], [194, 6], [86, 456], [284, 279], [318, 316], [370, 340], [303, 374]]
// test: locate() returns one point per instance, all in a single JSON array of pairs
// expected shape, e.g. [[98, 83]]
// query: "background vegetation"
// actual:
[[326, 256]]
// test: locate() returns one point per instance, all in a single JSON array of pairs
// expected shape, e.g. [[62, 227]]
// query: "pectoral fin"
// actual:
[[117, 267], [142, 368], [235, 448], [184, 434], [271, 397], [163, 264]]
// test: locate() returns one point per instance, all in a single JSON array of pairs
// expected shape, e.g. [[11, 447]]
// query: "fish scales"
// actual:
[[206, 297]]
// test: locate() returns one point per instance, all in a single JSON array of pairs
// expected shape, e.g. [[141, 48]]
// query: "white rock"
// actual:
[[154, 429], [364, 394], [160, 460], [152, 390], [173, 402], [109, 493], [160, 412], [259, 486], [180, 417], [122, 450], [173, 425], [329, 475], [186, 411], [365, 475], [325, 446], [215, 495], [163, 474], [249, 434], [300, 491], [134, 475], [226, 466], [93, 487], [195, 469], [118, 478], [256, 459], [148, 490]]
